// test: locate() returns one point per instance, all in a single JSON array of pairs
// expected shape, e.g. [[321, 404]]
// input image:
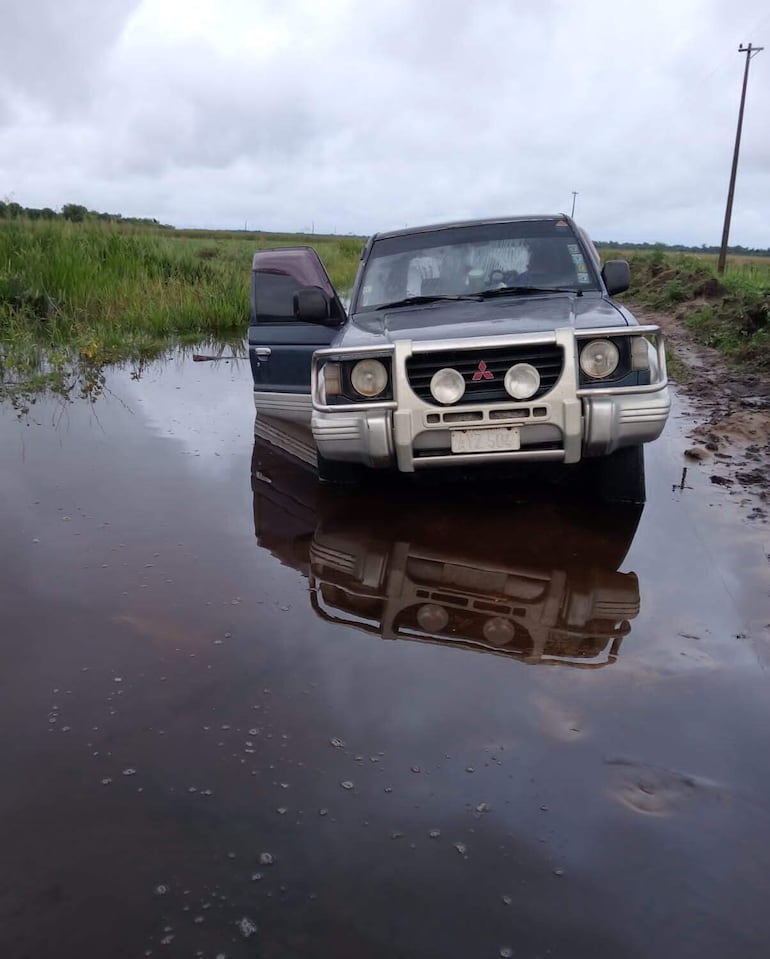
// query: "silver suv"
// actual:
[[464, 344]]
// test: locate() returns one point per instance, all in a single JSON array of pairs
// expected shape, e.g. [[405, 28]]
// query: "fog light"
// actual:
[[522, 381], [498, 631], [447, 386], [432, 617], [369, 377]]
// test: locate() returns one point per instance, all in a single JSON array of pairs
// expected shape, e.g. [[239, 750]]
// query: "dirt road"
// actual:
[[241, 718]]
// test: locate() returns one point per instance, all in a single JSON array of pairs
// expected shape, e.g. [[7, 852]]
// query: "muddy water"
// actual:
[[240, 717]]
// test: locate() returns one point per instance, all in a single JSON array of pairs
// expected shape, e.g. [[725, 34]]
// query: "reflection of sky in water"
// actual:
[[207, 407]]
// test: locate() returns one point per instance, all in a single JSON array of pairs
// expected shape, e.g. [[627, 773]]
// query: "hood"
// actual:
[[448, 319]]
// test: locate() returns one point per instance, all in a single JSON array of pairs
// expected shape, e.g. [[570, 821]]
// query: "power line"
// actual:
[[750, 53]]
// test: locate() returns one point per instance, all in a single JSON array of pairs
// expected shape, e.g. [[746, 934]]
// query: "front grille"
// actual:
[[547, 359]]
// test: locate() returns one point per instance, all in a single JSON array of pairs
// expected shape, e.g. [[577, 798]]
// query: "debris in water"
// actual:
[[461, 848], [323, 812], [161, 889], [107, 781], [266, 859], [247, 927], [346, 784], [282, 810], [482, 807], [130, 771], [506, 952], [434, 833], [256, 876], [416, 769], [337, 743], [558, 872], [396, 835]]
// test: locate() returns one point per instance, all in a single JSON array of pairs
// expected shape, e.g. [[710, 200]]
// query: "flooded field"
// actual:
[[242, 716]]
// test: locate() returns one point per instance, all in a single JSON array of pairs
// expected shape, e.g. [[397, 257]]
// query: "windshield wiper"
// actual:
[[524, 290], [413, 300]]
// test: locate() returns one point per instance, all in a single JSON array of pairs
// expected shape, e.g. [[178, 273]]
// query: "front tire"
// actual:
[[337, 472], [621, 476]]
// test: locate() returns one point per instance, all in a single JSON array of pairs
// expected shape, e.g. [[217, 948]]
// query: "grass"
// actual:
[[729, 312], [75, 296]]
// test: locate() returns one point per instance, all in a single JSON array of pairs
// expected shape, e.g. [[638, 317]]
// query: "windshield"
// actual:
[[466, 260]]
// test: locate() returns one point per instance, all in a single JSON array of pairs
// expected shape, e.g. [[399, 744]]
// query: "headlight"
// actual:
[[369, 377], [447, 386], [522, 381], [599, 358]]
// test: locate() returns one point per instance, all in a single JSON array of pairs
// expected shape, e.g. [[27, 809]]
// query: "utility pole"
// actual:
[[750, 52], [574, 194]]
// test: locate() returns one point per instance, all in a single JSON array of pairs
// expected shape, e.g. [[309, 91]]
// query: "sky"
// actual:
[[352, 116]]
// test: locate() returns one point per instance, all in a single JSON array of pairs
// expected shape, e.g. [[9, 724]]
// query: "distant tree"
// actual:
[[74, 212]]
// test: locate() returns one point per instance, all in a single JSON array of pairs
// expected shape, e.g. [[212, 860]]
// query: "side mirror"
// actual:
[[311, 305], [616, 275]]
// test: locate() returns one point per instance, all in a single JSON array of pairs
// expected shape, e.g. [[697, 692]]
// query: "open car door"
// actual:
[[282, 339]]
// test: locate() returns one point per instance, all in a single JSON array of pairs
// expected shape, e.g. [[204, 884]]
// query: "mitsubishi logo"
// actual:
[[482, 373]]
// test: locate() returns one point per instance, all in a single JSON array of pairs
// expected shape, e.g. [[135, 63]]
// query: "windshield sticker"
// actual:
[[583, 278], [573, 248], [580, 263]]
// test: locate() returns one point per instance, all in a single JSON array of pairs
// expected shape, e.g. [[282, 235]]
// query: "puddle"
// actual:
[[244, 715]]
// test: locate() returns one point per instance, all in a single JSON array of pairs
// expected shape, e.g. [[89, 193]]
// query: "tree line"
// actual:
[[74, 212], [680, 248]]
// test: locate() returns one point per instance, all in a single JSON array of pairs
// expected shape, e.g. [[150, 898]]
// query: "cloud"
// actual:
[[362, 117]]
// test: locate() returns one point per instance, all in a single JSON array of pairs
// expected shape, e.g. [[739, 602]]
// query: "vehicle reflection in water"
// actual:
[[458, 565]]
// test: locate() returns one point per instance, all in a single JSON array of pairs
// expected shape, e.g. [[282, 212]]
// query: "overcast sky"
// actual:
[[361, 115]]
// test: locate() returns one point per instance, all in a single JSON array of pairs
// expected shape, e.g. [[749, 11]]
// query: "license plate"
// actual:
[[486, 441]]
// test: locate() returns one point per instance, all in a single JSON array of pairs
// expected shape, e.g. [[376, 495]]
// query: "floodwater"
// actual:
[[244, 717]]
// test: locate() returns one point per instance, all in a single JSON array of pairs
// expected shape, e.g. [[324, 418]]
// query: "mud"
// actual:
[[244, 716], [731, 429]]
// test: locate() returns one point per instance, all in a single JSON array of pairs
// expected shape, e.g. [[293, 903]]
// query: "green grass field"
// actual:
[[729, 312]]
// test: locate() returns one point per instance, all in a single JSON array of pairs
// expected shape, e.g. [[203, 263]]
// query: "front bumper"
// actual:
[[565, 425]]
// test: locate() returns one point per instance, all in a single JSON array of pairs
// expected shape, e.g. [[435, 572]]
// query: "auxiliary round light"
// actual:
[[369, 377], [432, 618], [447, 386], [498, 631], [522, 381], [599, 358]]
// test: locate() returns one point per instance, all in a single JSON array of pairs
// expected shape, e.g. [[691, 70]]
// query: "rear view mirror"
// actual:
[[311, 305], [616, 275]]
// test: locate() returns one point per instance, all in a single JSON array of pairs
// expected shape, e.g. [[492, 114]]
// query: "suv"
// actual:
[[464, 344]]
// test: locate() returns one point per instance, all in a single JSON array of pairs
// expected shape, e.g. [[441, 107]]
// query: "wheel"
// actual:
[[338, 472], [621, 476]]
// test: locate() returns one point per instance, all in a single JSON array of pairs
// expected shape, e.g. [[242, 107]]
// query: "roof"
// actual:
[[430, 228]]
